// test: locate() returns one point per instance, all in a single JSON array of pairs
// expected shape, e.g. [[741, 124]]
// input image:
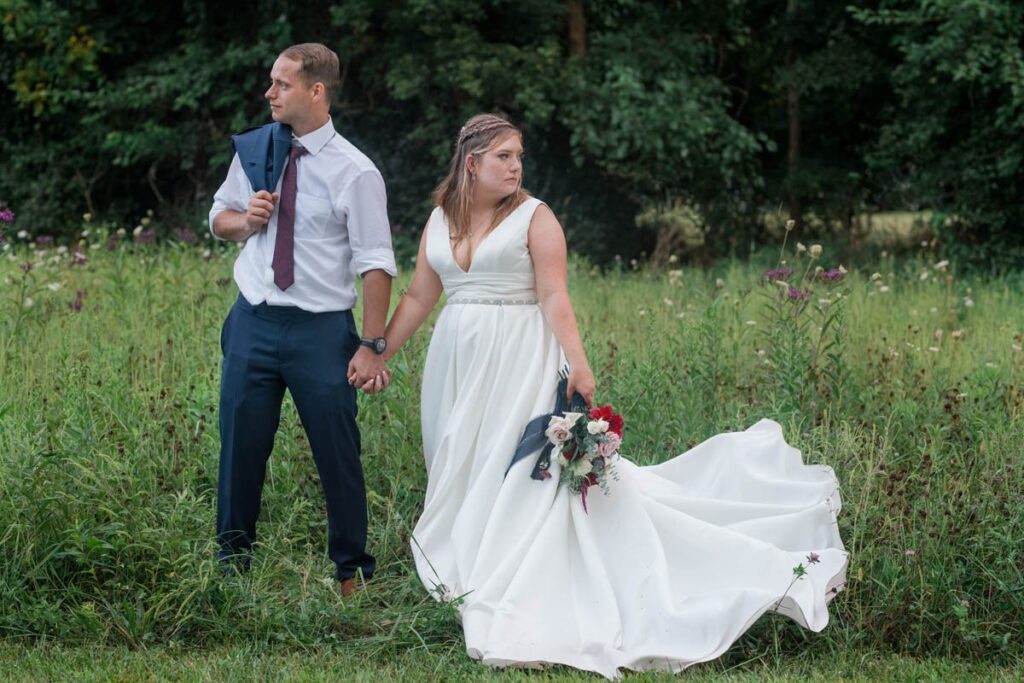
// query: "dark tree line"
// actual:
[[665, 127]]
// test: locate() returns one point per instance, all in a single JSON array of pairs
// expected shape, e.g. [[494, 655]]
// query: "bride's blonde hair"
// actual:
[[455, 193]]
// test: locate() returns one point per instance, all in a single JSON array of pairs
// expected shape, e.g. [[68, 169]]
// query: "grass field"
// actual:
[[908, 381]]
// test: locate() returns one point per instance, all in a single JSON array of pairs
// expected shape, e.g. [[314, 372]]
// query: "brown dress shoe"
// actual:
[[351, 585]]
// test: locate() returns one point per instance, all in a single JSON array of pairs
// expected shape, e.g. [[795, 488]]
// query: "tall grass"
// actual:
[[911, 385]]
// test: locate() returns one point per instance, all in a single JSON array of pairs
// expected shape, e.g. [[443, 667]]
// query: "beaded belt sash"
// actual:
[[495, 302]]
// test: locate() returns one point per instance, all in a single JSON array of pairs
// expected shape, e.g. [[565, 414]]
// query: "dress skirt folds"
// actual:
[[666, 571]]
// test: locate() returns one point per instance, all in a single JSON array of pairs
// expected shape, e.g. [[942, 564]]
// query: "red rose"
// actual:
[[608, 415]]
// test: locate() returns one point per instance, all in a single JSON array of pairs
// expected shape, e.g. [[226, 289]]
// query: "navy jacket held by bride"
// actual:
[[534, 437], [263, 152]]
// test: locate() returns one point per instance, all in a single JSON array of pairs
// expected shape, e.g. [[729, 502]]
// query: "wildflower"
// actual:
[[674, 275], [933, 349], [78, 258], [186, 236], [814, 251], [832, 276], [777, 274], [144, 222], [941, 265], [924, 275], [938, 335], [6, 216], [145, 237], [719, 283], [790, 224], [883, 289], [667, 301], [86, 217], [44, 240], [968, 301], [813, 558], [22, 234], [673, 258], [642, 312], [875, 277], [795, 294], [909, 552], [751, 322], [53, 286], [800, 248], [28, 302]]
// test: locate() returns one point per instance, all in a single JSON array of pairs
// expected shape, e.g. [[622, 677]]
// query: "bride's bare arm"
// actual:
[[547, 249], [417, 303]]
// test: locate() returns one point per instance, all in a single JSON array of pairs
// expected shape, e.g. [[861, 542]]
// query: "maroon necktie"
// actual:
[[284, 245]]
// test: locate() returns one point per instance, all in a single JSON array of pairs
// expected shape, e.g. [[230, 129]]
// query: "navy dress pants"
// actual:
[[266, 350]]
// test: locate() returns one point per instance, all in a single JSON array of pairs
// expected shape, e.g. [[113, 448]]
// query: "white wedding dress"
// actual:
[[666, 571]]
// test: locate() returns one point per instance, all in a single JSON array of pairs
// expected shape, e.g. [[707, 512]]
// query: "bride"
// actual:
[[667, 570]]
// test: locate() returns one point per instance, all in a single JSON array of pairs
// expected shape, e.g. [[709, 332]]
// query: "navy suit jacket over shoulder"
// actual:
[[263, 152]]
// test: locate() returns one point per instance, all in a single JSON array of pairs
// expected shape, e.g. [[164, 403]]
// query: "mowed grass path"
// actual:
[[108, 459]]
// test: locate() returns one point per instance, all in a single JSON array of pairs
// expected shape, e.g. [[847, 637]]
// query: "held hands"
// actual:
[[581, 379], [261, 206], [367, 371]]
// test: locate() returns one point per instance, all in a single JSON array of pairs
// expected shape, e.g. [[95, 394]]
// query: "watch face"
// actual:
[[380, 344]]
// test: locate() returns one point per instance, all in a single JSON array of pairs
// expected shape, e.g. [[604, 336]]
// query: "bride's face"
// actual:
[[499, 170]]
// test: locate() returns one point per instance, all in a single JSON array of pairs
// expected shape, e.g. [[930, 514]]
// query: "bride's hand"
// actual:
[[581, 379]]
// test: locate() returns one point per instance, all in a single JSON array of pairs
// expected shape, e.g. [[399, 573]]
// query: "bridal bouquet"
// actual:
[[586, 445]]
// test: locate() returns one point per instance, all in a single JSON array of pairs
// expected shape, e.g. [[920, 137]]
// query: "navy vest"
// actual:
[[263, 152]]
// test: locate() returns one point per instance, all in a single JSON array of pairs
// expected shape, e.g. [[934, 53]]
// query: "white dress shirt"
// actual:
[[341, 227]]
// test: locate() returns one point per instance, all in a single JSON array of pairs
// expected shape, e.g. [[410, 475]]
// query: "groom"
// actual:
[[312, 212]]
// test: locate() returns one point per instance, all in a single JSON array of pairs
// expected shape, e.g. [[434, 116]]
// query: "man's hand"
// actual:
[[367, 371], [261, 206]]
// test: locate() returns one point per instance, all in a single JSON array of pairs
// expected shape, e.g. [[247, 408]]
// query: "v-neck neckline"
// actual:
[[472, 261]]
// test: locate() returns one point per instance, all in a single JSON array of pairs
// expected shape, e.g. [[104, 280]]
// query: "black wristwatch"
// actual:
[[378, 344]]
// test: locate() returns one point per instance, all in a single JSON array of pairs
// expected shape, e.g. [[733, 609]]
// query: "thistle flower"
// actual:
[[777, 274], [832, 276], [795, 294]]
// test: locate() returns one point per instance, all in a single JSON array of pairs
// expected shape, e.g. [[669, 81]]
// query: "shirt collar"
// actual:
[[316, 140]]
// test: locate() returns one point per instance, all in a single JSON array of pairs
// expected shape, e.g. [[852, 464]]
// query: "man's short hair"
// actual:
[[319, 65]]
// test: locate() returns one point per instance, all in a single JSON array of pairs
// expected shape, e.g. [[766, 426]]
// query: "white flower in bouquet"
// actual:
[[572, 418], [561, 459], [582, 467], [597, 426]]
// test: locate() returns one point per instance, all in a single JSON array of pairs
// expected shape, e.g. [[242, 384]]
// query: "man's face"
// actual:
[[291, 100]]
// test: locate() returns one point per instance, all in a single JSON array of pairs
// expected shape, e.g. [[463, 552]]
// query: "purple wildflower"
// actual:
[[44, 240], [76, 305], [79, 259], [186, 236], [6, 216], [831, 276], [795, 294], [145, 237], [813, 558], [776, 274]]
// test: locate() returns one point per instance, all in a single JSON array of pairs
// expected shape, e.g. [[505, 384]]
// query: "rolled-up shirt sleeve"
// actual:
[[365, 207], [233, 193]]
